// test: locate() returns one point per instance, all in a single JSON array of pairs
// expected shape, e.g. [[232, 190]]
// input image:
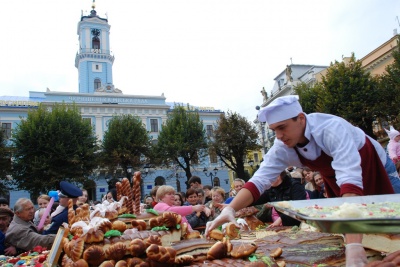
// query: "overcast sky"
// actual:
[[217, 53]]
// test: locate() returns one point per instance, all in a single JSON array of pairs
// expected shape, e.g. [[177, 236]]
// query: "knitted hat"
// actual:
[[392, 133], [282, 108]]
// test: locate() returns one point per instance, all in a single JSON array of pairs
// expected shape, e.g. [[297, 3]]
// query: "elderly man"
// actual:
[[22, 233], [60, 215], [6, 216]]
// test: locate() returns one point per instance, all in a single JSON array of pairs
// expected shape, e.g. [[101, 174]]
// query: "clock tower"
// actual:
[[94, 59]]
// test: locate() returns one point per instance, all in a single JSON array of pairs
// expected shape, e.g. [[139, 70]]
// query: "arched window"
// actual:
[[159, 180], [96, 43], [97, 84]]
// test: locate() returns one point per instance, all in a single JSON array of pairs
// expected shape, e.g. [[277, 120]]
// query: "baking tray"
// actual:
[[339, 225]]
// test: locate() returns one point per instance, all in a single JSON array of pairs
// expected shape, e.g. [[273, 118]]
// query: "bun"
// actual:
[[184, 260], [105, 226], [161, 254], [76, 248], [139, 224], [157, 221], [93, 236], [111, 214], [184, 229], [116, 251], [153, 239], [121, 263], [243, 250], [137, 247], [216, 234], [232, 230], [276, 253], [107, 264], [80, 263], [94, 255], [219, 250], [253, 222], [171, 219], [134, 262], [193, 234], [119, 225]]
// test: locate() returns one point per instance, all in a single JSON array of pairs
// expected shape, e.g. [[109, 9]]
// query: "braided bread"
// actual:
[[127, 191], [137, 177], [118, 187]]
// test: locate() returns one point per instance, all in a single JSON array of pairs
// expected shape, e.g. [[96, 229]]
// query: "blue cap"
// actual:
[[70, 190]]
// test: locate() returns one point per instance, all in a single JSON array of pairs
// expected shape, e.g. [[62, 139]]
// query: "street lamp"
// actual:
[[146, 168], [251, 163], [129, 171], [210, 174], [262, 125]]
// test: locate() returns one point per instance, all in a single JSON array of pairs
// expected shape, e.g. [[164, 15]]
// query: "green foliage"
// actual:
[[346, 91], [125, 142], [389, 89], [308, 97], [51, 146], [182, 139], [233, 138], [5, 165]]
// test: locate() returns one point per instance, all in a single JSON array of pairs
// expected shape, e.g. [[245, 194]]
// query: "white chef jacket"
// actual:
[[335, 136]]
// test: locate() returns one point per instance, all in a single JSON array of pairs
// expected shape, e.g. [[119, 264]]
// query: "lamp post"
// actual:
[[262, 125], [210, 174], [129, 172]]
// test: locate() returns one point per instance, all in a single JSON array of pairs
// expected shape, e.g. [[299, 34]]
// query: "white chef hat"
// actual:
[[282, 108]]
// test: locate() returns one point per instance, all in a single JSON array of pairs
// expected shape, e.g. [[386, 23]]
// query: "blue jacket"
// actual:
[[57, 221], [2, 241]]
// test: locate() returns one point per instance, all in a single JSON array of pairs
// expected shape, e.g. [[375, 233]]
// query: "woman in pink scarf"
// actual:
[[166, 196]]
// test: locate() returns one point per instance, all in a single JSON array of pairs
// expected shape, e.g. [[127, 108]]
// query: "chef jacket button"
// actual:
[[305, 149]]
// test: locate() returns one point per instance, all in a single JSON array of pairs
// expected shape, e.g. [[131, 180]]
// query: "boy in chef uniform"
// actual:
[[350, 162]]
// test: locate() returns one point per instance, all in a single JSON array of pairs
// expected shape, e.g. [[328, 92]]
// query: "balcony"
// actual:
[[95, 54]]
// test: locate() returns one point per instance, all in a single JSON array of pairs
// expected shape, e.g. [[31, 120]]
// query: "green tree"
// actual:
[[389, 90], [349, 92], [125, 143], [5, 166], [308, 97], [232, 139], [51, 146], [182, 139]]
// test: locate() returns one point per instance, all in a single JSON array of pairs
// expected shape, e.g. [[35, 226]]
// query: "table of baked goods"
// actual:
[[122, 235]]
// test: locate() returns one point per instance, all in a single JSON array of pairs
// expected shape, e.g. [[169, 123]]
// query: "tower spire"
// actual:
[[93, 4]]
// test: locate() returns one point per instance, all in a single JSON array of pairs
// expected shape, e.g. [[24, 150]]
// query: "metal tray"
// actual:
[[336, 225]]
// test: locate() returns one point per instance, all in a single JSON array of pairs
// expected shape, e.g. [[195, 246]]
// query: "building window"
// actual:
[[209, 130], [216, 182], [154, 125], [97, 67], [97, 84], [256, 157], [213, 157], [6, 128]]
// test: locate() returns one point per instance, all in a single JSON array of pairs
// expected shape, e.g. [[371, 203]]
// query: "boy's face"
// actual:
[[291, 132], [195, 185]]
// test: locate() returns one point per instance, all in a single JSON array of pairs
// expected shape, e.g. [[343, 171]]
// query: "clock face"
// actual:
[[95, 32]]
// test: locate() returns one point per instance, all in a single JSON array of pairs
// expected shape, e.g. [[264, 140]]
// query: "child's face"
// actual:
[[48, 220], [397, 138], [42, 203]]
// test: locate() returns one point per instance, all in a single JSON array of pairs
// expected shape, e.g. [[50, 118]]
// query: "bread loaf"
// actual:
[[116, 251], [94, 255], [119, 225], [232, 230], [243, 250], [161, 254], [76, 248], [137, 177], [216, 234], [137, 247], [107, 264]]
